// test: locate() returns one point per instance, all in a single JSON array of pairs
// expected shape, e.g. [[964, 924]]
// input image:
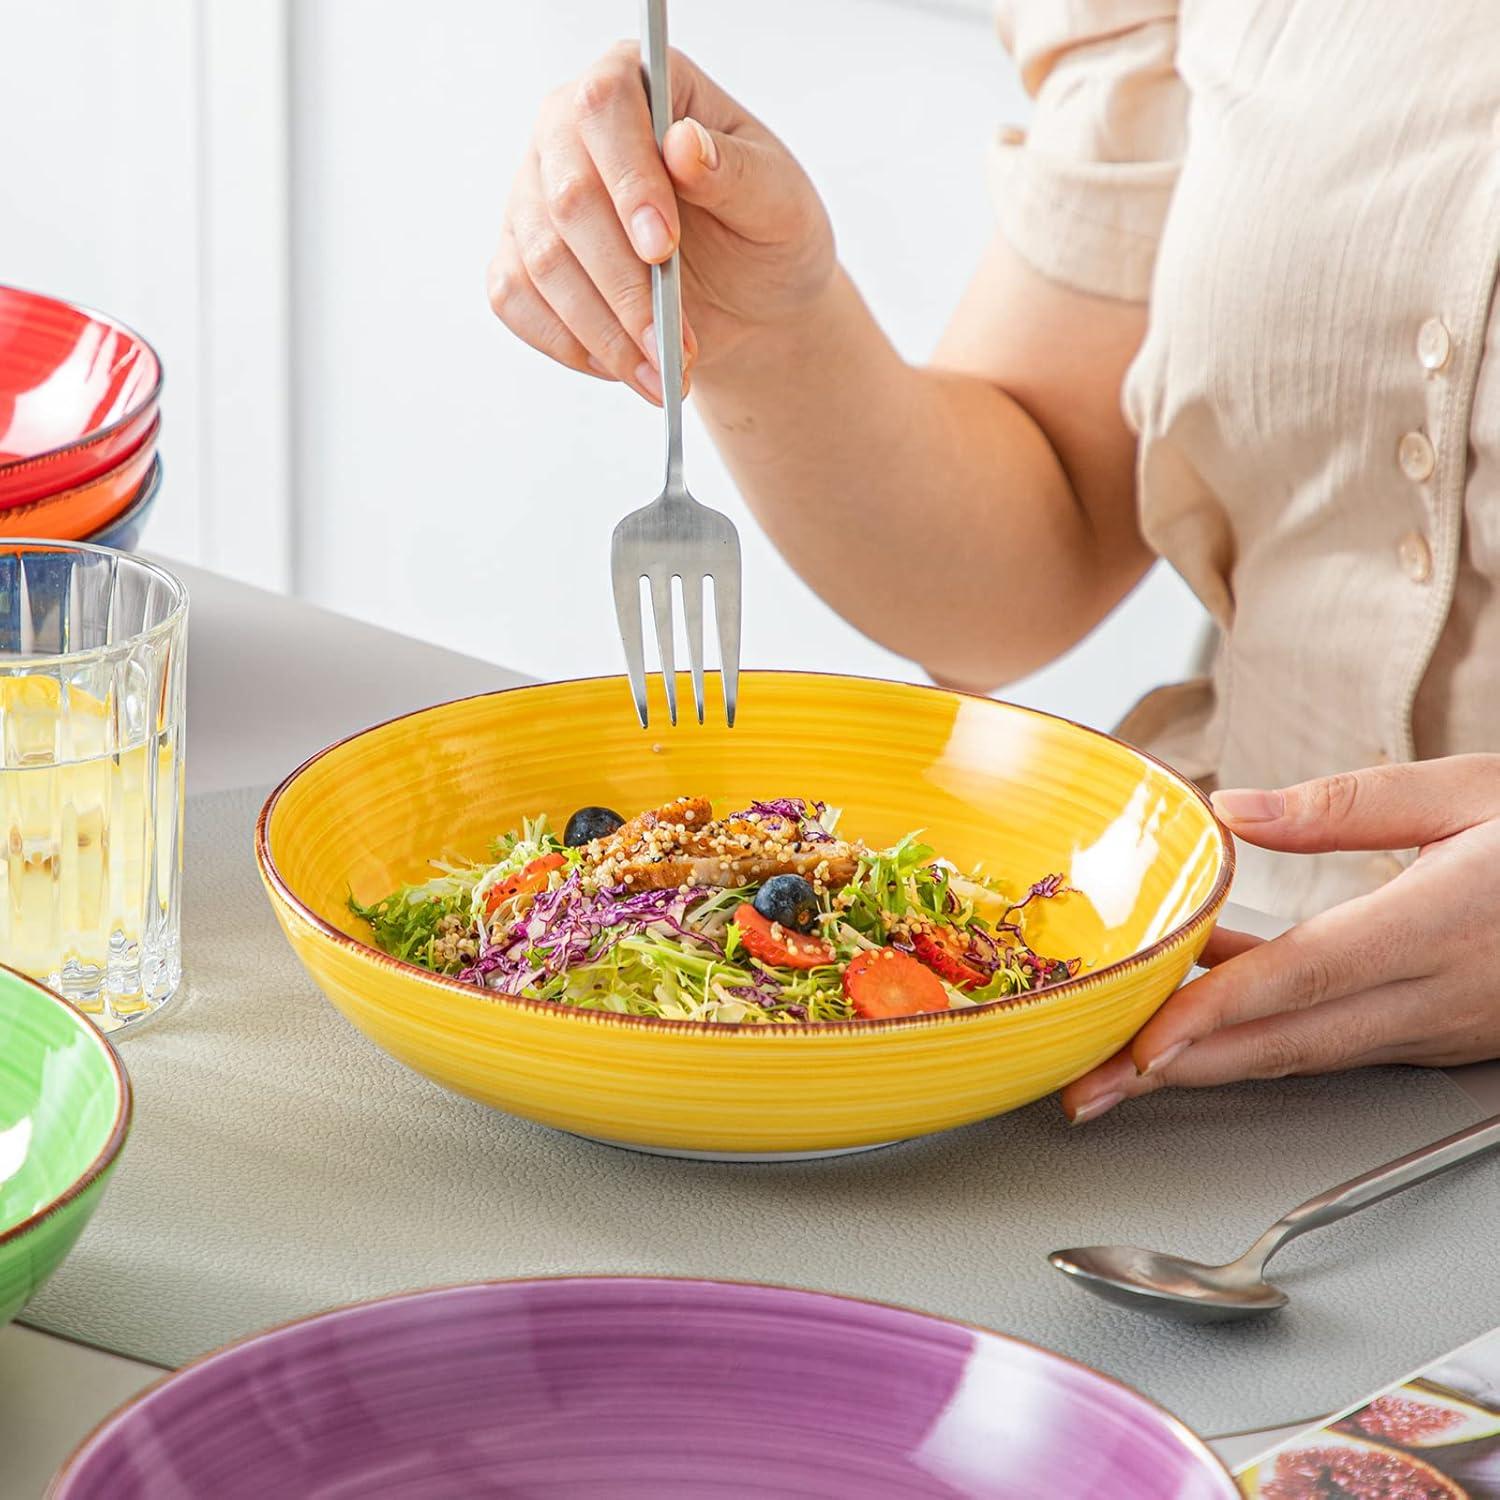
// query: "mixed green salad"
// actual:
[[763, 916]]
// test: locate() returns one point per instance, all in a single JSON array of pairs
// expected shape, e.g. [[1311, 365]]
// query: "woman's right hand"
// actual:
[[595, 204]]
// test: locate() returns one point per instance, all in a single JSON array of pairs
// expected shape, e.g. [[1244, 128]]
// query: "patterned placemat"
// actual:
[[280, 1163]]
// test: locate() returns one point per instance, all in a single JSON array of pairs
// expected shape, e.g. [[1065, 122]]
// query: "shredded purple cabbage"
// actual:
[[1045, 970], [796, 810], [569, 926], [763, 994], [982, 952], [1047, 887]]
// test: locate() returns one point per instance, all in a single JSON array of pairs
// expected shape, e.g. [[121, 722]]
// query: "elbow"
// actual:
[[985, 672], [967, 678], [986, 658]]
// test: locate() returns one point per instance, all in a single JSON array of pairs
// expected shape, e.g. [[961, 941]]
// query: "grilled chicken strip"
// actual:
[[823, 865], [681, 844], [685, 813]]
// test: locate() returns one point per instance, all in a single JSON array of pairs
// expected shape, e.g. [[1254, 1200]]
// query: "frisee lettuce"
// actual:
[[405, 923]]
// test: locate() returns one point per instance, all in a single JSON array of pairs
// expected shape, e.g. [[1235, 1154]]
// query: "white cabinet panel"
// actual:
[[244, 71], [153, 183], [98, 197]]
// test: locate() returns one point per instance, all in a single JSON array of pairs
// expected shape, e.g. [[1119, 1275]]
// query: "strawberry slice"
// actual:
[[532, 877], [942, 950], [884, 982], [779, 946]]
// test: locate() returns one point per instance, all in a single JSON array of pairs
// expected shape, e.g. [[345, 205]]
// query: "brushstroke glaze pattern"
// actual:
[[64, 1115], [638, 1390], [1023, 792]]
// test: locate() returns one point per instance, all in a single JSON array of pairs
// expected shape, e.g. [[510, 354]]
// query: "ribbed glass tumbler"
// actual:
[[93, 648]]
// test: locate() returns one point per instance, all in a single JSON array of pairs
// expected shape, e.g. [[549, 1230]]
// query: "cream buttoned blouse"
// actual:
[[1306, 193]]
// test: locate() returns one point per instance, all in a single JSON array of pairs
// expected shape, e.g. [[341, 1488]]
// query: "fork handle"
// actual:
[[666, 284]]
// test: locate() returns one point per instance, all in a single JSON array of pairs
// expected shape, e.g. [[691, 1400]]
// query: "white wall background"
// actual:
[[296, 199]]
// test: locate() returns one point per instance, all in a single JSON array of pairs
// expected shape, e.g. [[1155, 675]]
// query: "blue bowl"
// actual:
[[124, 532]]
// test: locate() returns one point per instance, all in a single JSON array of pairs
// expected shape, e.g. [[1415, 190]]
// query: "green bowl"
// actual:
[[64, 1114]]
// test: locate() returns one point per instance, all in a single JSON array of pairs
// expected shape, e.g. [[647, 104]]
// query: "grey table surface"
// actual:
[[326, 676]]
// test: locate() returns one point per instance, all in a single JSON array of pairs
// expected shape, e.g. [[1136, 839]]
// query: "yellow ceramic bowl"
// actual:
[[1024, 793]]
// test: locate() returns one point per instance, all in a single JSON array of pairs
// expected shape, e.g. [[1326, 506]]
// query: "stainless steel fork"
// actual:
[[674, 536]]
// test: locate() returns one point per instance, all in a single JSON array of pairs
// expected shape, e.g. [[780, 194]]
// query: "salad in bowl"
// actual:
[[764, 915], [605, 979]]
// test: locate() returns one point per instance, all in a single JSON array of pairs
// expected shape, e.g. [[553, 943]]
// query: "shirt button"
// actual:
[[1434, 345], [1385, 867], [1416, 557], [1415, 455]]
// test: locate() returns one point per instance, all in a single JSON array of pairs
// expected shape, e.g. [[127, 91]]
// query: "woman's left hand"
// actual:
[[1407, 974]]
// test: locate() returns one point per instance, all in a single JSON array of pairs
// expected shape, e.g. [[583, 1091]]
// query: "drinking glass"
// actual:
[[92, 664]]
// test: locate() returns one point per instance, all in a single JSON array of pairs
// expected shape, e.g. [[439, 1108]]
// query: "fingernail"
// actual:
[[1249, 806], [708, 148], [599, 369], [649, 232], [1161, 1060], [648, 344], [1094, 1108], [648, 379]]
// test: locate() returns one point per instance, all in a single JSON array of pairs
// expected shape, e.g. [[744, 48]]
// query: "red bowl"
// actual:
[[78, 394]]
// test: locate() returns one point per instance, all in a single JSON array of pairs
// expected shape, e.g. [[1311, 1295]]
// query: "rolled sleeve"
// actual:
[[1083, 193]]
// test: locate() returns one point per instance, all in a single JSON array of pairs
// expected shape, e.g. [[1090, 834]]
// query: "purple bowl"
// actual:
[[636, 1388]]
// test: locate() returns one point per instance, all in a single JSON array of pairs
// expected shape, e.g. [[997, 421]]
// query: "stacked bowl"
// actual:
[[79, 418]]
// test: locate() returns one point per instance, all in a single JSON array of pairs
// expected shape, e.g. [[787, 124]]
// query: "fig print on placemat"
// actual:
[[1422, 1415], [1435, 1436], [1336, 1466]]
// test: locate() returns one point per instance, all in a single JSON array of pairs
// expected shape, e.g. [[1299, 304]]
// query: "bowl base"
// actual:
[[742, 1156]]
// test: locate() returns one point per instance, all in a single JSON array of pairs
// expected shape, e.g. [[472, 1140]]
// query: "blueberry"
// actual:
[[590, 823], [789, 900]]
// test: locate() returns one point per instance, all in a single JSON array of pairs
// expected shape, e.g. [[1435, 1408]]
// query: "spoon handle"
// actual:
[[1394, 1177]]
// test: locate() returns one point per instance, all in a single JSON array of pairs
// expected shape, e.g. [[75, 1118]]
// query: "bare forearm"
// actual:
[[926, 506], [977, 516]]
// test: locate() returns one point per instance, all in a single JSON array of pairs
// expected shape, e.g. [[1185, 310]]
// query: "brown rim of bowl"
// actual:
[[82, 446], [15, 465], [1205, 912], [1174, 1424], [119, 1129]]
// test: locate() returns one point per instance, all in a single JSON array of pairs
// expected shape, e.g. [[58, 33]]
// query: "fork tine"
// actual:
[[692, 610], [727, 608], [627, 586], [661, 603]]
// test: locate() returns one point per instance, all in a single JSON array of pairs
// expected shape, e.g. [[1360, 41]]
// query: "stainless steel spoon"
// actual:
[[1190, 1292]]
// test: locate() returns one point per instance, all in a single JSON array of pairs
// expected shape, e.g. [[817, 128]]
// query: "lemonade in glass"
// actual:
[[92, 668]]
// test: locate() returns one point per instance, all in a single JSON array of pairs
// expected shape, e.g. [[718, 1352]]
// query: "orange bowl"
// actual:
[[75, 513]]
